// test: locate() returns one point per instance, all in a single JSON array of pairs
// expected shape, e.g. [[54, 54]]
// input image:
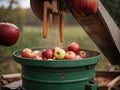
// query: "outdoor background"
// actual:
[[19, 13]]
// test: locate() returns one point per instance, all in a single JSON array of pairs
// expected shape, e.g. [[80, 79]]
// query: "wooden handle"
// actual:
[[55, 12], [61, 26], [45, 28], [55, 19], [54, 6], [46, 18], [47, 23]]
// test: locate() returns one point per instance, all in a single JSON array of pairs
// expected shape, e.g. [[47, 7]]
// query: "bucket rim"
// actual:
[[56, 63]]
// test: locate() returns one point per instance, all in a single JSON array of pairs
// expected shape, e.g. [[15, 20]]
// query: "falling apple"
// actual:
[[85, 7], [9, 34]]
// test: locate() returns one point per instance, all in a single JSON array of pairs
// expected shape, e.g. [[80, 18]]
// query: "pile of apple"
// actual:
[[71, 52]]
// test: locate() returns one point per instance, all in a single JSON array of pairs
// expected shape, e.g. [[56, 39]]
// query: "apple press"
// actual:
[[77, 74], [100, 26]]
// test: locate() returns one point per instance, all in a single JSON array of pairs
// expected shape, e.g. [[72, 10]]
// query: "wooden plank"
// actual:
[[11, 76], [108, 74], [13, 86], [114, 82], [113, 29]]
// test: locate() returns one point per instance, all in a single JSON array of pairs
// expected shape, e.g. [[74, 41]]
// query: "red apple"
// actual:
[[70, 55], [85, 7], [47, 54], [73, 47], [38, 53], [27, 53], [59, 53], [36, 57], [82, 53], [78, 57], [54, 49], [9, 34]]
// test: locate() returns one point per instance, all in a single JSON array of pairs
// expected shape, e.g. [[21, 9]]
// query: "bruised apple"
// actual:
[[85, 7], [9, 34]]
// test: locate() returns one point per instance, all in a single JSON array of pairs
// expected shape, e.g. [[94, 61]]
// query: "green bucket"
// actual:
[[58, 74]]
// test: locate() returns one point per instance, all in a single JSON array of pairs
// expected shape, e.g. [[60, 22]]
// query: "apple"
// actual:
[[82, 53], [36, 57], [38, 53], [27, 53], [59, 53], [78, 57], [9, 34], [50, 59], [47, 54], [70, 55], [72, 52], [85, 7], [75, 47]]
